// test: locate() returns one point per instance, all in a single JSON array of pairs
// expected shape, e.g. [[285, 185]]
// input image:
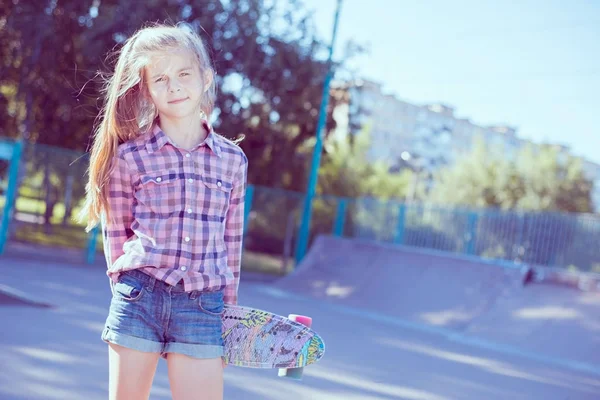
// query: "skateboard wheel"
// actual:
[[302, 319], [295, 373], [292, 373]]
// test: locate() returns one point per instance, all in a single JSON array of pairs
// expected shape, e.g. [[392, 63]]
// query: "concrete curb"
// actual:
[[23, 297]]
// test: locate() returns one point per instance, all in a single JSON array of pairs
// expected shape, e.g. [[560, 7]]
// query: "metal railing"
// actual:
[[51, 189]]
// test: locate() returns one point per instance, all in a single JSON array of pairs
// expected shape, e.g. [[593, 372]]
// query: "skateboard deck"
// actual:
[[260, 339]]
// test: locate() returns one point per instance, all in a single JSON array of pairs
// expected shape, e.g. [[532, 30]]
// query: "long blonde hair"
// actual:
[[128, 111]]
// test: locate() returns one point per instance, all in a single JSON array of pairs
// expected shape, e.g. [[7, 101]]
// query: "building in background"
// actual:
[[423, 137], [429, 135]]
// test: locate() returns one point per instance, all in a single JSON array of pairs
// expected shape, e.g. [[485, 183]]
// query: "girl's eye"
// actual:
[[159, 79], [184, 74]]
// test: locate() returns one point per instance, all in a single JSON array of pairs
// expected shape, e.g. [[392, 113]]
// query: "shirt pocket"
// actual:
[[217, 193], [162, 192]]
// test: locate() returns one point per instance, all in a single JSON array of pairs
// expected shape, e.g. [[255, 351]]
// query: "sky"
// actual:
[[533, 65]]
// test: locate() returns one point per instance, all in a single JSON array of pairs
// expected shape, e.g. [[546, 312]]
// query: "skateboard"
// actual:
[[255, 338]]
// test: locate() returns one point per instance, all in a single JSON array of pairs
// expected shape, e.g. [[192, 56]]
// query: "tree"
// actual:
[[346, 171], [270, 68], [52, 53], [552, 181], [540, 178]]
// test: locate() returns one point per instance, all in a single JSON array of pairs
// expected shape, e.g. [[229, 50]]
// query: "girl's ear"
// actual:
[[208, 79]]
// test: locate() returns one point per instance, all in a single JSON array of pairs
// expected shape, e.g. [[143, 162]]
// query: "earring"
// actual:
[[203, 115]]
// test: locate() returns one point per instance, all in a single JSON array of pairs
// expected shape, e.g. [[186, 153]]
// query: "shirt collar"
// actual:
[[158, 139]]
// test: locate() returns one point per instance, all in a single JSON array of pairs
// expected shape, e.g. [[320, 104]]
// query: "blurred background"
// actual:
[[467, 128], [477, 118]]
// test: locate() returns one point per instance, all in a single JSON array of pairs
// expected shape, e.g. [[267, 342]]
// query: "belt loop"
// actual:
[[151, 283], [194, 294]]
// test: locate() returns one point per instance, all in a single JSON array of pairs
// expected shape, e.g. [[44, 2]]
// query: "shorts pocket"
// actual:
[[212, 303], [128, 289]]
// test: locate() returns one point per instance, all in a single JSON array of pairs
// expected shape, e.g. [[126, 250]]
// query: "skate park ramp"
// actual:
[[442, 291], [432, 290]]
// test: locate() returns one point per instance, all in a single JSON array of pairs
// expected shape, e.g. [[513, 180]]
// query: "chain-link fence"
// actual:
[[51, 191], [540, 238]]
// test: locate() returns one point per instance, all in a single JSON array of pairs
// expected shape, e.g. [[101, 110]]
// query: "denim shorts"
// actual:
[[149, 315]]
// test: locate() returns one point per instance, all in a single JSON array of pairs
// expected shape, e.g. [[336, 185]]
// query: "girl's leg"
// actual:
[[194, 378], [131, 373]]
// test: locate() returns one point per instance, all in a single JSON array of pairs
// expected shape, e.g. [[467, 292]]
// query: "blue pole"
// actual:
[[519, 241], [338, 228], [304, 230], [91, 249], [399, 238], [248, 205], [11, 192], [472, 224]]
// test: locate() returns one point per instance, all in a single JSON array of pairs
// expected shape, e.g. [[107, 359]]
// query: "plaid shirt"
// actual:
[[178, 214]]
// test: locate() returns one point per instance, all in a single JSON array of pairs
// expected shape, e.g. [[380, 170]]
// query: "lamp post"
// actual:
[[302, 242], [408, 160]]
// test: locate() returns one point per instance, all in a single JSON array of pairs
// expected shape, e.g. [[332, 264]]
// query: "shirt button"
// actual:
[[188, 155], [183, 268], [219, 184], [190, 180], [158, 179], [189, 210], [187, 239]]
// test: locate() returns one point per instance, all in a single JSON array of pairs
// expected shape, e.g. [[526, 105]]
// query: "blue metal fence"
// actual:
[[9, 151], [541, 238], [272, 218]]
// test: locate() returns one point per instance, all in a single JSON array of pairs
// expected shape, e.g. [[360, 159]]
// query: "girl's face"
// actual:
[[176, 84]]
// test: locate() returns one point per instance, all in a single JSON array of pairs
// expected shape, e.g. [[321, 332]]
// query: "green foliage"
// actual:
[[270, 68], [274, 212], [540, 178], [346, 172], [269, 63]]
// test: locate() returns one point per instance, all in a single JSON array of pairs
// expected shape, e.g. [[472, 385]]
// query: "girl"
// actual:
[[169, 193]]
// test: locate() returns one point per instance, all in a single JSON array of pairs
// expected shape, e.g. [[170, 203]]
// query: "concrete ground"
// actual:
[[419, 339]]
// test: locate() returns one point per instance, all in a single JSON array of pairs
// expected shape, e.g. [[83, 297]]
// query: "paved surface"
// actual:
[[430, 328], [452, 293]]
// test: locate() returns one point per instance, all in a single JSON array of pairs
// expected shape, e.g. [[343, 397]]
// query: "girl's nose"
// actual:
[[174, 87]]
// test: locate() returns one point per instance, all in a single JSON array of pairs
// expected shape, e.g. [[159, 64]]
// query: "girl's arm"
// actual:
[[117, 229], [234, 231]]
